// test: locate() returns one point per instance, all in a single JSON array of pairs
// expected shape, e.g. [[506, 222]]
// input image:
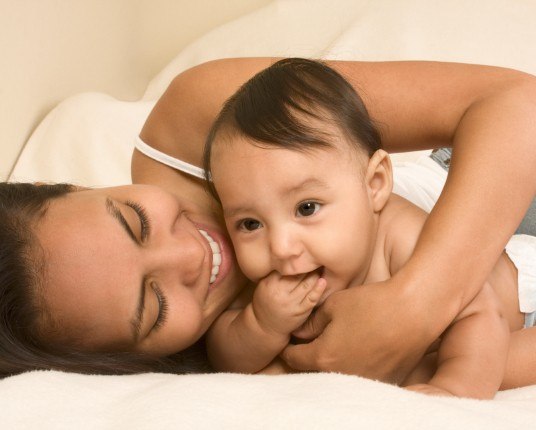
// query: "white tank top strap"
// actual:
[[166, 159]]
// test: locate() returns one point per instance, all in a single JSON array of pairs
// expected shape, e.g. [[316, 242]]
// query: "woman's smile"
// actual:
[[216, 255], [221, 254]]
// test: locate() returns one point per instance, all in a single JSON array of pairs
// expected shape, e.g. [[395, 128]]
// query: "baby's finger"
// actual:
[[313, 296], [305, 285]]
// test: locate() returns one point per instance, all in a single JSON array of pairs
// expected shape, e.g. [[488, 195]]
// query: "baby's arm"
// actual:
[[247, 339], [473, 352], [521, 366]]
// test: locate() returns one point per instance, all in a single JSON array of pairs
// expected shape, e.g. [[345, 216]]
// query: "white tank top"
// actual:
[[163, 158]]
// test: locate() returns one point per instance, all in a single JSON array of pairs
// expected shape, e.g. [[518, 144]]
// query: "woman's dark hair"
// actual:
[[23, 345], [274, 108]]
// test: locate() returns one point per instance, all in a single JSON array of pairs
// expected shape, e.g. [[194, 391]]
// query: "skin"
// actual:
[[267, 231], [264, 325], [420, 105], [475, 109], [96, 262], [332, 210], [263, 191]]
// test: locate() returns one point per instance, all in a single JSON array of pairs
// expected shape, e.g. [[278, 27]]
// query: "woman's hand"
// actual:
[[364, 331]]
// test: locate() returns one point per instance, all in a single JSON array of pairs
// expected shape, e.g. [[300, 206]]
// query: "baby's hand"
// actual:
[[281, 304]]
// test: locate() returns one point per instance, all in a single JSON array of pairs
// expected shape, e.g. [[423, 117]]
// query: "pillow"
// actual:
[[86, 140]]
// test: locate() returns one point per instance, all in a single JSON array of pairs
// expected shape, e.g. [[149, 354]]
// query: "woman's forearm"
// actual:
[[490, 185]]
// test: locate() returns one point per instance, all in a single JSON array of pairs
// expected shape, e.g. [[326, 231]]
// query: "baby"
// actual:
[[306, 192]]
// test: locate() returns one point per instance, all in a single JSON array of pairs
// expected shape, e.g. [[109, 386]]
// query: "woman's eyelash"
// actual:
[[162, 307], [144, 218]]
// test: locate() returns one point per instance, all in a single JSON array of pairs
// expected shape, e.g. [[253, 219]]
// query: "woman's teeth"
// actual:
[[216, 255]]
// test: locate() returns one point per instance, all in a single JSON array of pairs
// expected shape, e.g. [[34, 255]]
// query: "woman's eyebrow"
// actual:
[[114, 211]]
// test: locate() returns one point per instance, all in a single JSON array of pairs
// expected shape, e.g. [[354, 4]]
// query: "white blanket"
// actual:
[[226, 401], [88, 139]]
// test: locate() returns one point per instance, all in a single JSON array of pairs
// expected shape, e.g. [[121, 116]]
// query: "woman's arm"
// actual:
[[485, 113]]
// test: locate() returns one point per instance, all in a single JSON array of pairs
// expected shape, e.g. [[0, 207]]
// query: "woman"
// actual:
[[420, 105], [132, 265]]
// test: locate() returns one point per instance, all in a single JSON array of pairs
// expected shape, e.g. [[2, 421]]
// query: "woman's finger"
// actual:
[[301, 357], [314, 325]]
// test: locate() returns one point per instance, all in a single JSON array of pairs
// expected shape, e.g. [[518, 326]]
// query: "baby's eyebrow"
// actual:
[[232, 212], [303, 185], [310, 182]]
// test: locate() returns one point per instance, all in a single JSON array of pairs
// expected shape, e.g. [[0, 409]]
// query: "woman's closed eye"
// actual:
[[306, 209], [249, 224], [145, 224], [162, 307]]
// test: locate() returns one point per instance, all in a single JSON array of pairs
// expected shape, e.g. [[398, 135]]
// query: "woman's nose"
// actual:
[[181, 256]]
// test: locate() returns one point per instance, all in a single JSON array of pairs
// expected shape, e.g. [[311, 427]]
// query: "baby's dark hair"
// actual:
[[23, 313], [274, 108]]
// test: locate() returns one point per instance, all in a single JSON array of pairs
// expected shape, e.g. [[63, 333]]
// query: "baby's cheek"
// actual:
[[253, 262]]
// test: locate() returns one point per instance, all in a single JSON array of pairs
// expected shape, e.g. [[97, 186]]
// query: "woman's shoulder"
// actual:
[[182, 117]]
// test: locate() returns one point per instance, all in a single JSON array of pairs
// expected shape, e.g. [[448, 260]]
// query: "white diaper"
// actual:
[[522, 251]]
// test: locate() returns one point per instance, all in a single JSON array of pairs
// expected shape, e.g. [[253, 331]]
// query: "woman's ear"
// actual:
[[379, 179]]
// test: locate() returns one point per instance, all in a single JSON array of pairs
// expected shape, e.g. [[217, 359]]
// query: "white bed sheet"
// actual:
[[88, 140], [229, 401]]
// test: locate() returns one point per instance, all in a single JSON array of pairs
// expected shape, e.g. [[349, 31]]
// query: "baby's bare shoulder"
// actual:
[[401, 223]]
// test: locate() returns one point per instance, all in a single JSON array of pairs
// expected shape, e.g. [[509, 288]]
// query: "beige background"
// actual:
[[51, 49]]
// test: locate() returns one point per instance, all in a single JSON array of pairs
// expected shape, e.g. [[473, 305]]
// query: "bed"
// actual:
[[88, 138]]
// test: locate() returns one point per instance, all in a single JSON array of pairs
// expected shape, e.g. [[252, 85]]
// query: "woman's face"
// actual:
[[133, 268]]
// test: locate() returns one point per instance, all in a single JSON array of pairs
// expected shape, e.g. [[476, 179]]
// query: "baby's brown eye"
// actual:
[[308, 208], [249, 224]]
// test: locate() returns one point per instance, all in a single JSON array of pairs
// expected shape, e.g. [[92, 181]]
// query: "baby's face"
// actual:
[[296, 212]]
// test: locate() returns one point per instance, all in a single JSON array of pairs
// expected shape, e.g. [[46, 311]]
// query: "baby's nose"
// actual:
[[286, 254], [284, 245]]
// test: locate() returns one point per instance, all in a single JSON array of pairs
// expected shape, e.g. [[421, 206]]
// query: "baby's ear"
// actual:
[[379, 179]]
